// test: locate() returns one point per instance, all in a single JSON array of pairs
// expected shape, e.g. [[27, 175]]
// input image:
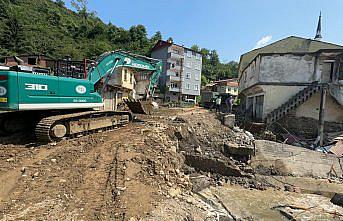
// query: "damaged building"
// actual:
[[282, 82]]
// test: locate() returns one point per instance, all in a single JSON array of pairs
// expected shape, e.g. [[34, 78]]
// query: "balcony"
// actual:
[[172, 76], [174, 56], [174, 89]]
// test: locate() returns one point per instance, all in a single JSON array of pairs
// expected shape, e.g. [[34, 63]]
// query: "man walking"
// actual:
[[229, 102], [218, 103]]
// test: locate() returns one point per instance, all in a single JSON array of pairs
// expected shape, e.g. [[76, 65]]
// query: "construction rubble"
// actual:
[[177, 164]]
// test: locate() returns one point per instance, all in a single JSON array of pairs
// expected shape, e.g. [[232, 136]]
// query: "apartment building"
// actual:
[[181, 75]]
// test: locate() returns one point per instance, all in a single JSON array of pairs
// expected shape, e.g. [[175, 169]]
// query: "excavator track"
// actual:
[[58, 127]]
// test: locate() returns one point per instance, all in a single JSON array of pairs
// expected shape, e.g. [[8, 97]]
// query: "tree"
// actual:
[[12, 37], [156, 37], [195, 48], [60, 3], [81, 8]]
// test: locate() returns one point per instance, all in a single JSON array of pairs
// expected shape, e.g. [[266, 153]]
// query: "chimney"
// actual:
[[319, 29]]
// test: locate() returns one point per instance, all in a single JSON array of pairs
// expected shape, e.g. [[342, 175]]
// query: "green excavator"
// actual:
[[57, 106]]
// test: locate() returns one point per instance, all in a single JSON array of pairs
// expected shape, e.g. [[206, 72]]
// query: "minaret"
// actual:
[[319, 29]]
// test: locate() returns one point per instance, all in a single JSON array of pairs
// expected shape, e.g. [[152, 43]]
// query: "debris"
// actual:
[[337, 199], [337, 149], [233, 149], [10, 159]]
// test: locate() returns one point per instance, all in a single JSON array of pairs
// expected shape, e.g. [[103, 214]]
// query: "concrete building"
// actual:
[[120, 86], [282, 82], [227, 86], [181, 76]]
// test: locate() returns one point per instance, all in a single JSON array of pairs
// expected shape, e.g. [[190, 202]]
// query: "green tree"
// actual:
[[60, 3], [12, 36]]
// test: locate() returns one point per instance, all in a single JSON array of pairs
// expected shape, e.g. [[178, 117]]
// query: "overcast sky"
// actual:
[[232, 27]]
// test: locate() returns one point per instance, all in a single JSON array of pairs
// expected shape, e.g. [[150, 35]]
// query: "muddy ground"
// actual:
[[167, 166]]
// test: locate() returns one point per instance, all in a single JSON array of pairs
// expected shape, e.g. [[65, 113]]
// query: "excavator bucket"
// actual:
[[139, 107]]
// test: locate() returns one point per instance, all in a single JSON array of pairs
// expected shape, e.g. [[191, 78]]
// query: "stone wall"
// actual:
[[285, 159], [304, 126]]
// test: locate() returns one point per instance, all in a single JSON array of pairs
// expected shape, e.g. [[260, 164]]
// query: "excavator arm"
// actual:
[[105, 67]]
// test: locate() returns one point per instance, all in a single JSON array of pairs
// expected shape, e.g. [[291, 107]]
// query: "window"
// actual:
[[188, 86], [178, 62], [2, 60], [340, 72], [189, 54], [193, 53], [198, 56], [196, 76], [32, 61], [125, 75], [196, 87], [197, 67], [188, 64], [131, 78], [188, 75], [173, 85], [177, 74]]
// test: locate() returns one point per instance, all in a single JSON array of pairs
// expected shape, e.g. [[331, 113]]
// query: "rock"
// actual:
[[53, 144], [35, 175], [177, 171], [173, 149], [237, 129], [173, 192], [251, 137], [23, 169], [229, 120], [63, 181], [294, 189], [235, 149], [198, 150], [53, 160], [10, 159], [337, 199]]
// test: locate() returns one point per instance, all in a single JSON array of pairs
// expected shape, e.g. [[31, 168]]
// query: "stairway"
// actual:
[[292, 103]]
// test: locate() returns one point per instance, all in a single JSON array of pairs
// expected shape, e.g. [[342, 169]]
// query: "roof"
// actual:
[[162, 44], [229, 82], [292, 44]]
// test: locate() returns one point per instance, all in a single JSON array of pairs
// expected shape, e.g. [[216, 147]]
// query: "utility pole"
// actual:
[[322, 114]]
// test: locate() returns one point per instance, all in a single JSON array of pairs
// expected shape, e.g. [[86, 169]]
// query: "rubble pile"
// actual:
[[178, 164]]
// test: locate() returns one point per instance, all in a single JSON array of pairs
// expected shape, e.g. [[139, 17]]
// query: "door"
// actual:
[[258, 115]]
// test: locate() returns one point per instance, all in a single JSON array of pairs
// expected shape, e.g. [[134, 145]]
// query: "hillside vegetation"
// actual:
[[47, 27]]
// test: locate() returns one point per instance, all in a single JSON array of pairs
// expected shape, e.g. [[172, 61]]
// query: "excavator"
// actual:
[[56, 107]]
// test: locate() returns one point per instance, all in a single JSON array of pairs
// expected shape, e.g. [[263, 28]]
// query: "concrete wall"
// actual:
[[274, 96], [162, 54], [336, 90], [124, 78], [287, 68], [251, 75], [285, 159], [310, 109]]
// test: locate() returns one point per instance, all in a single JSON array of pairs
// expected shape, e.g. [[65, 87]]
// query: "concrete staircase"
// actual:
[[292, 103]]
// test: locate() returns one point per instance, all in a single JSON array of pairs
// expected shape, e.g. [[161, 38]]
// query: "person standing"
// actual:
[[229, 102], [218, 103]]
